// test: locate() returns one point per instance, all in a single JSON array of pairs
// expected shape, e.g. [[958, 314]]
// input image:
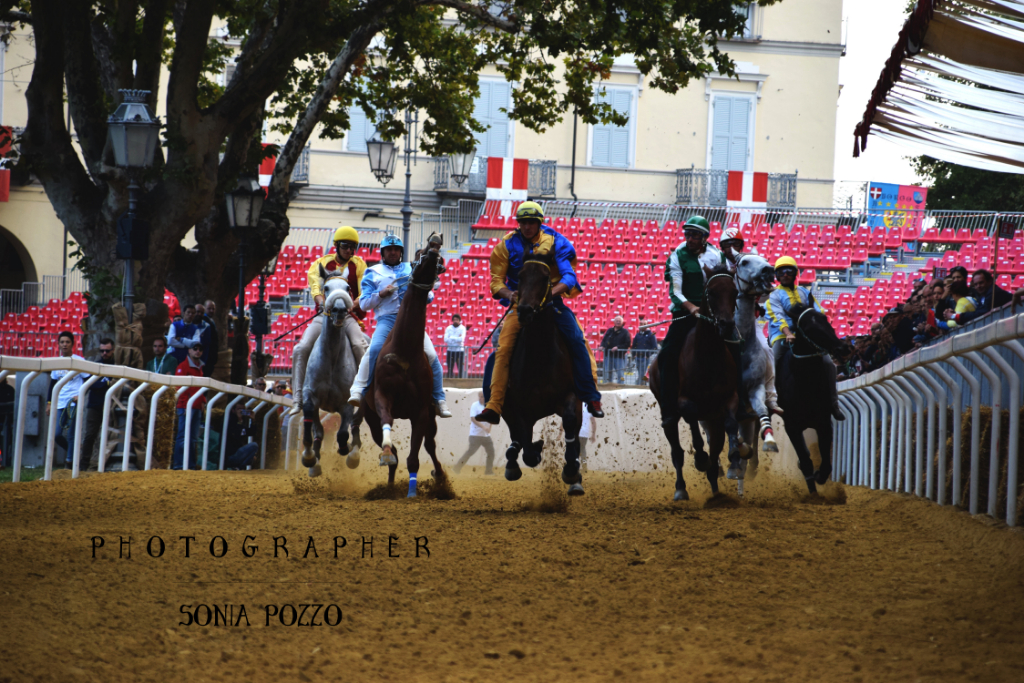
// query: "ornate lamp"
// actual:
[[382, 159], [461, 165]]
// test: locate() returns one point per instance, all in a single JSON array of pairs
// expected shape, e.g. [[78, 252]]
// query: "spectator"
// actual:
[[588, 428], [615, 344], [947, 301], [985, 290], [962, 303], [94, 406], [208, 335], [162, 362], [239, 453], [454, 341], [67, 399], [192, 366], [259, 384], [184, 334], [479, 435], [281, 388], [645, 347]]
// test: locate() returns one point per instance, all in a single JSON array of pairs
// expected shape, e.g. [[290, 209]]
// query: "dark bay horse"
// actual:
[[540, 378], [804, 393], [707, 384], [402, 381]]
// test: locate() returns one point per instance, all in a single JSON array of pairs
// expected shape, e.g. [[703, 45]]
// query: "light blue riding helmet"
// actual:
[[392, 241]]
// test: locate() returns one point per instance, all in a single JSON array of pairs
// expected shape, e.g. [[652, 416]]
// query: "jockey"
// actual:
[[383, 288], [684, 271], [346, 239], [780, 323], [731, 246], [506, 260]]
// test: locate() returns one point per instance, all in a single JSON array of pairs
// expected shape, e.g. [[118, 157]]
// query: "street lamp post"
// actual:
[[382, 163], [244, 204], [134, 136]]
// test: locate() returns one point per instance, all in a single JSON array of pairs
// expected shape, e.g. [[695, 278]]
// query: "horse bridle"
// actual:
[[739, 262], [437, 271], [713, 320], [547, 292], [821, 352]]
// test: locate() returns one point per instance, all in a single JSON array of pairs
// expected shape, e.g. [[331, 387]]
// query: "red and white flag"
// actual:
[[267, 170], [748, 195], [507, 183]]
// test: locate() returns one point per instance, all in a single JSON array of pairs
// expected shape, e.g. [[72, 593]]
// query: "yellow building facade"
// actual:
[[778, 115]]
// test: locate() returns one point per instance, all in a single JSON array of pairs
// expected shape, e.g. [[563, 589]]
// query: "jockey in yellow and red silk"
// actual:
[[346, 241], [506, 260]]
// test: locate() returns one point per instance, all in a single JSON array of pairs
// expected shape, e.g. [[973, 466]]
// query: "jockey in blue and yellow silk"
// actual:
[[533, 237], [781, 323]]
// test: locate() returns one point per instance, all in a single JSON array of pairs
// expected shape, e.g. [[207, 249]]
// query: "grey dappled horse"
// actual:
[[755, 278], [330, 370]]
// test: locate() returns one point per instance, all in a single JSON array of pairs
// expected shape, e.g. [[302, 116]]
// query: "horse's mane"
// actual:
[[720, 269]]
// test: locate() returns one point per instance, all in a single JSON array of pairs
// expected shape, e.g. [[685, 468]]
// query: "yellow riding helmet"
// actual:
[[530, 210], [346, 233], [785, 262]]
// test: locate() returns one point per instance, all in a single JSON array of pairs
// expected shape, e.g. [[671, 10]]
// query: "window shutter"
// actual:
[[360, 129], [611, 143], [494, 96], [730, 133]]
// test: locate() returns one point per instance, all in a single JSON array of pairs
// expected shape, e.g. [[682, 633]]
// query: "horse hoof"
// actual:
[[700, 461], [352, 461], [387, 458], [821, 476], [308, 460], [513, 472], [770, 447], [576, 489], [681, 494], [412, 494], [571, 477], [745, 451], [314, 472]]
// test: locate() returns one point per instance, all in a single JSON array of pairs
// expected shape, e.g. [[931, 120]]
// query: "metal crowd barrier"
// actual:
[[34, 367], [897, 395]]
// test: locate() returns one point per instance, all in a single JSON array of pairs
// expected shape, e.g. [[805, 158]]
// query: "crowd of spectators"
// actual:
[[933, 309]]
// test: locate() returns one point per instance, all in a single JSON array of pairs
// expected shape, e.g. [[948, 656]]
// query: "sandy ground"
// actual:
[[620, 583]]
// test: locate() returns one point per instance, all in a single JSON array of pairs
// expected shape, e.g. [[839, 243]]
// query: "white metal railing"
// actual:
[[900, 393], [33, 367]]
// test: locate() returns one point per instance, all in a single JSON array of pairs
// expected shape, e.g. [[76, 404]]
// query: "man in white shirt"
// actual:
[[479, 435], [67, 399], [587, 428], [454, 341]]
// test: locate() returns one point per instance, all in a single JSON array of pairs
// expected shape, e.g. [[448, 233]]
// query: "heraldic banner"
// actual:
[[896, 206]]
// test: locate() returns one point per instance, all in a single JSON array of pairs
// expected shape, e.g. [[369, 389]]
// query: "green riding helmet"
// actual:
[[698, 223]]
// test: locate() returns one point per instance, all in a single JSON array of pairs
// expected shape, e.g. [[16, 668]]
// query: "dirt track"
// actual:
[[623, 584]]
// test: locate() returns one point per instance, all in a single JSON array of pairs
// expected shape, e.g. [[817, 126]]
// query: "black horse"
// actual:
[[540, 378], [802, 381]]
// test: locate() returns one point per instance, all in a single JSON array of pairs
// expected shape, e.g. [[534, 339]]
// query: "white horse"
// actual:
[[330, 370], [754, 278]]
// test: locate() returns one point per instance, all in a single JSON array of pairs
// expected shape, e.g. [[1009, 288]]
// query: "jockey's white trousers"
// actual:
[[302, 350], [770, 395], [363, 376]]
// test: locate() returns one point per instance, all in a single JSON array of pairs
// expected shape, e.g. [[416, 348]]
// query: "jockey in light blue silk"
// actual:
[[383, 288]]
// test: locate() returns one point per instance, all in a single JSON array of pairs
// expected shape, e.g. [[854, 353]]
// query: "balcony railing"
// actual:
[[709, 187], [542, 181]]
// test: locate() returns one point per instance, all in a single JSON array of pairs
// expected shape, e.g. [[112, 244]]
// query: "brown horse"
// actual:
[[402, 379], [540, 377], [707, 384]]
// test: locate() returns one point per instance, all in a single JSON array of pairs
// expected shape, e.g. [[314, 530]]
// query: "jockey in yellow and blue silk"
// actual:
[[532, 237]]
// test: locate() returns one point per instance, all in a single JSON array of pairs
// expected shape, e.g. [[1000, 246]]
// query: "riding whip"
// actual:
[[304, 322], [663, 322], [488, 337]]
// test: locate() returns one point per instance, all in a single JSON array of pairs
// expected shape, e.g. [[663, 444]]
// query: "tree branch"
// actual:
[[187, 62], [14, 15], [149, 48], [478, 13], [46, 145], [85, 93]]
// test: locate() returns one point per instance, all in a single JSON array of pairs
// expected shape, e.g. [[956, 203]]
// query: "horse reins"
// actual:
[[544, 301], [714, 321], [804, 335]]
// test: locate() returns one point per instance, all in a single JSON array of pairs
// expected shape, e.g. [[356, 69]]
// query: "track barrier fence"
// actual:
[[907, 422], [27, 411]]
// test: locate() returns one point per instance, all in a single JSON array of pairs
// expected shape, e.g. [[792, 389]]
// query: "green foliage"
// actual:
[[104, 286], [960, 188]]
